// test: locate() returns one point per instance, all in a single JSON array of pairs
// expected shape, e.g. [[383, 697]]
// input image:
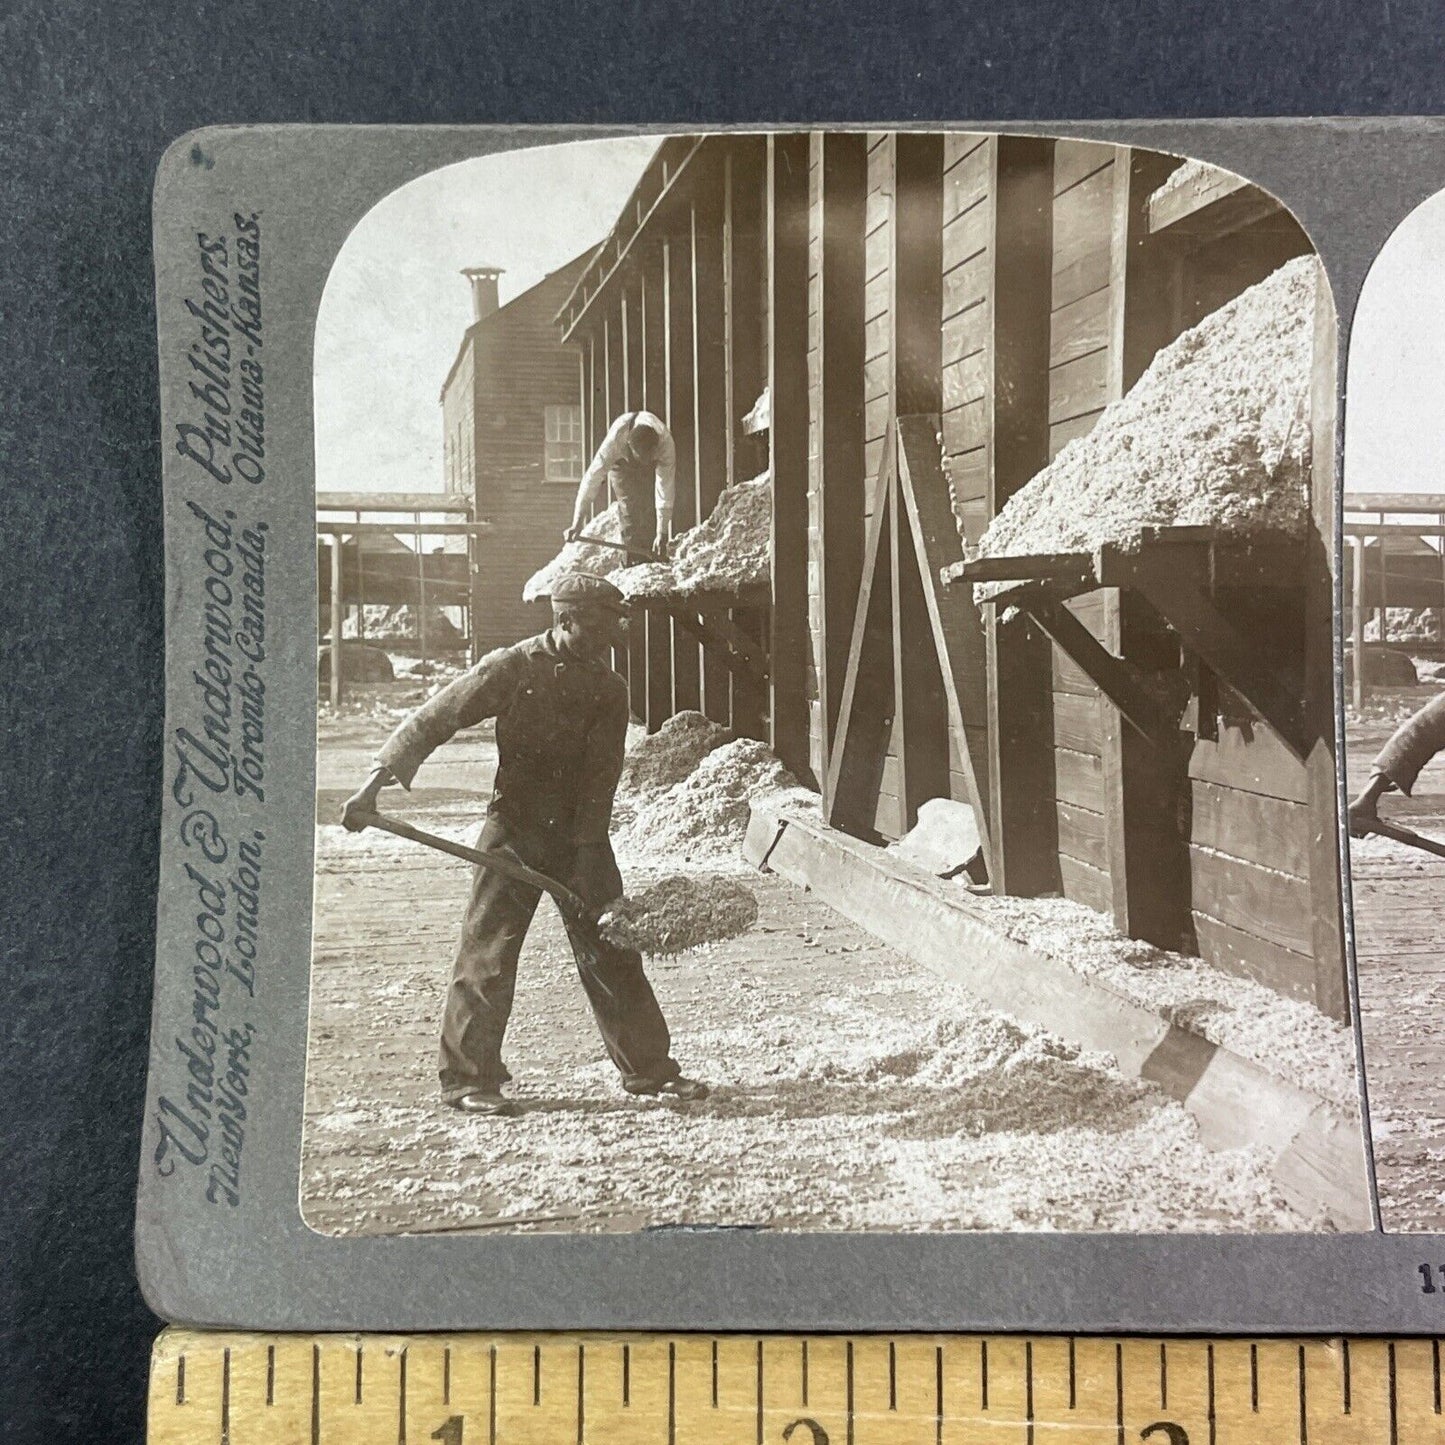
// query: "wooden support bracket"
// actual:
[[956, 625], [865, 712], [725, 640], [1110, 674], [1181, 600]]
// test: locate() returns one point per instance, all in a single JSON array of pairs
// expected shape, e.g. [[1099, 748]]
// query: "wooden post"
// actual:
[[787, 230], [1357, 620], [335, 621], [628, 343], [1024, 825], [597, 417], [611, 375], [420, 589], [838, 481], [710, 416], [681, 420], [1332, 994], [920, 709], [728, 313], [865, 712], [1382, 551], [360, 586], [652, 333], [1148, 855], [747, 243]]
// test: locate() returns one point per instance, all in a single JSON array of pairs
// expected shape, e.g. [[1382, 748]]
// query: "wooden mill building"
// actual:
[[513, 444], [933, 317]]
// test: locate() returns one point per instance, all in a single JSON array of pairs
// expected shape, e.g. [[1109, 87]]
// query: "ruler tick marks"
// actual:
[[1254, 1378], [492, 1397], [270, 1374], [358, 1374], [848, 1385], [447, 1375], [401, 1403], [536, 1374], [1345, 1372], [983, 1373], [225, 1397], [1394, 1396], [1073, 1378], [1209, 1391], [714, 1374], [672, 1392], [627, 1372], [1435, 1366], [581, 1395], [892, 1376], [181, 1380], [805, 1372], [1163, 1378], [315, 1395], [1304, 1426]]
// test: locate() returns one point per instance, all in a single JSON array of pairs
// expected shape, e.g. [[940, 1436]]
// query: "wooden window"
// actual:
[[564, 459]]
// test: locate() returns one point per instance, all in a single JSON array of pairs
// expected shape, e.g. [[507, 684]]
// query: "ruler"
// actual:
[[209, 1388]]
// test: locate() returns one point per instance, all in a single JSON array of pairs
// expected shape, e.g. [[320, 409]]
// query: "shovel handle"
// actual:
[[1407, 836], [642, 552], [502, 863]]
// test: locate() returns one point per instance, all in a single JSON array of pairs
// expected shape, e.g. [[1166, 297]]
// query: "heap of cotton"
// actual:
[[729, 552], [661, 759], [1215, 433]]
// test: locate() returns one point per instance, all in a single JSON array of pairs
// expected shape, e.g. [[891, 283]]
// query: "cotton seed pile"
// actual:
[[579, 557], [729, 552], [705, 816], [664, 758], [680, 912], [1215, 433]]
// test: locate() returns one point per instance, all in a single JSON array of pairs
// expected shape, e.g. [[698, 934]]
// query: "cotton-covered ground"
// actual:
[[852, 1089]]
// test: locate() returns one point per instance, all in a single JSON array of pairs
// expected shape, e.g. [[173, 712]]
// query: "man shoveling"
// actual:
[[561, 724], [638, 460]]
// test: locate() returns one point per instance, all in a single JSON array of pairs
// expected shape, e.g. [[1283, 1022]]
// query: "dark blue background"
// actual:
[[89, 97]]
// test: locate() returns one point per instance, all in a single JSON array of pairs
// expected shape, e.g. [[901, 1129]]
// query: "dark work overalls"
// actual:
[[633, 485], [561, 730]]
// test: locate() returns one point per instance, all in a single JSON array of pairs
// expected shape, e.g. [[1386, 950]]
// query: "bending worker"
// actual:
[[562, 718], [1410, 747], [638, 460]]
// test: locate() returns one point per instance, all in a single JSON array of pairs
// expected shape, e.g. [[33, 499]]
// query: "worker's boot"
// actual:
[[495, 1104], [676, 1087]]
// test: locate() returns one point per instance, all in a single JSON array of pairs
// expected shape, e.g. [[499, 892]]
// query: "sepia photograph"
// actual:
[[1394, 587], [826, 708]]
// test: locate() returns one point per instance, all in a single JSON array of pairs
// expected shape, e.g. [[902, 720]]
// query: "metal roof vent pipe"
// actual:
[[484, 289]]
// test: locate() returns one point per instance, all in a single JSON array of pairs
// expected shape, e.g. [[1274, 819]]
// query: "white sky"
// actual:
[[1395, 382], [395, 307]]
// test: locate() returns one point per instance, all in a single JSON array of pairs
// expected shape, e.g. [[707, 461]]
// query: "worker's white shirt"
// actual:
[[614, 449]]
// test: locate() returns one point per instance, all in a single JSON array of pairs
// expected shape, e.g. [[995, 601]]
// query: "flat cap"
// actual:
[[586, 587]]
